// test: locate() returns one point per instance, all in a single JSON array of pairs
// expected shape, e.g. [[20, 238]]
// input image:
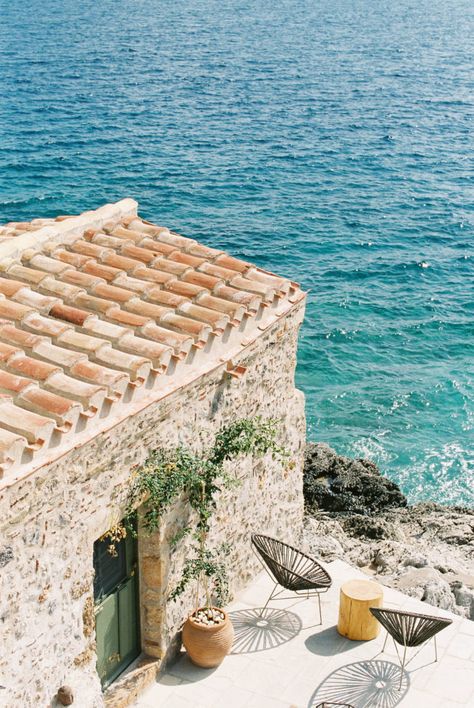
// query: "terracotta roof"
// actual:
[[104, 312]]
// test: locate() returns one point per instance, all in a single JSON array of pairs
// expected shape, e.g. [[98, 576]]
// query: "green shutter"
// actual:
[[107, 638], [128, 619], [117, 608]]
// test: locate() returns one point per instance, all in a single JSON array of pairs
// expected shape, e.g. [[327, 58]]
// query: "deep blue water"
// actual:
[[329, 140]]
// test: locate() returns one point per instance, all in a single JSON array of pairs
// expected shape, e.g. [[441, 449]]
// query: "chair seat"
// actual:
[[409, 629]]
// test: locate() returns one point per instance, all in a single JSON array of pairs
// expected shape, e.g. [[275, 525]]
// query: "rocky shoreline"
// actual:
[[355, 514]]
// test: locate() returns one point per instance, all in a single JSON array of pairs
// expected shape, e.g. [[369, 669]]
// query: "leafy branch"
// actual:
[[168, 474]]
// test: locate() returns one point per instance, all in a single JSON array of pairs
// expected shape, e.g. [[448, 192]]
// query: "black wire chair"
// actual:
[[409, 629], [292, 569]]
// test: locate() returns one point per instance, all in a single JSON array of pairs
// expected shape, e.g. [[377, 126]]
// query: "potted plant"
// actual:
[[168, 474]]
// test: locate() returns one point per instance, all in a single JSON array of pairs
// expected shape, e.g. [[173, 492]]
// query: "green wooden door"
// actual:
[[116, 608]]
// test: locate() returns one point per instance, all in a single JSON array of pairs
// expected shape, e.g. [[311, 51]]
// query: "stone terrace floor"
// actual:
[[293, 662]]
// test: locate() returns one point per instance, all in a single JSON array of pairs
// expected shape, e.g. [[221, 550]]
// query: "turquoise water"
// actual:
[[327, 140]]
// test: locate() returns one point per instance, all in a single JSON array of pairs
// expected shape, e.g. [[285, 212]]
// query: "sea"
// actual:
[[327, 140]]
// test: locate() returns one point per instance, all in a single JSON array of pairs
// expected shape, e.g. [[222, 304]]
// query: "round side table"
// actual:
[[355, 620]]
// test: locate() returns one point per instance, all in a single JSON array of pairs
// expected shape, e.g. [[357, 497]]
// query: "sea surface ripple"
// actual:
[[327, 140]]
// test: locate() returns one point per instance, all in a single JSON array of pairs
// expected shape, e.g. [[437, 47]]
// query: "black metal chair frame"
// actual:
[[277, 570], [328, 704], [409, 629]]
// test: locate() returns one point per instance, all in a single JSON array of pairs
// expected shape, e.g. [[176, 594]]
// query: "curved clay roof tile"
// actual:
[[99, 270], [159, 354], [148, 309], [181, 343], [145, 255], [226, 261], [152, 275], [56, 355], [10, 287], [112, 292], [20, 337], [126, 234], [129, 319], [271, 281], [32, 368], [104, 329], [85, 343], [37, 429], [11, 449], [158, 247], [204, 281], [64, 411], [165, 298], [129, 283], [90, 395], [225, 274], [74, 259], [186, 290], [235, 311], [83, 280], [198, 330], [41, 303], [14, 310], [138, 367], [29, 275], [100, 239], [250, 300], [57, 287], [14, 383], [253, 286], [47, 326], [90, 249], [49, 265], [217, 320], [115, 381], [186, 259], [101, 304], [70, 314]]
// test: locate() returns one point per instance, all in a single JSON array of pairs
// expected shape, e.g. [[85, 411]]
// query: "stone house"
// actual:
[[117, 337]]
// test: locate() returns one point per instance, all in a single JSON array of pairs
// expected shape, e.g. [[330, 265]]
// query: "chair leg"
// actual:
[[402, 667], [320, 613], [268, 600], [436, 648], [385, 642]]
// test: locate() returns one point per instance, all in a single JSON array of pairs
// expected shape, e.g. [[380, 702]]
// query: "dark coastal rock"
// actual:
[[333, 482], [425, 550], [363, 527]]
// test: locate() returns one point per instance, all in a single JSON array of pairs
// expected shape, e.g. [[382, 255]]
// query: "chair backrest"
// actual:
[[409, 628], [286, 562]]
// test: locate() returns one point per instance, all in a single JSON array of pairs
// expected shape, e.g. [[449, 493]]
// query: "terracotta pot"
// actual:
[[208, 646]]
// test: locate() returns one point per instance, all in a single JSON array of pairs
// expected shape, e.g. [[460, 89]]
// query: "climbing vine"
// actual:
[[168, 474]]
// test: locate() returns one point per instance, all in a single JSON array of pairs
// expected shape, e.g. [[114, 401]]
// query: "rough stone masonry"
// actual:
[[50, 520]]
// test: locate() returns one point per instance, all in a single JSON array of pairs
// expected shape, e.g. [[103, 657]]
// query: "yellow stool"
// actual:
[[355, 620]]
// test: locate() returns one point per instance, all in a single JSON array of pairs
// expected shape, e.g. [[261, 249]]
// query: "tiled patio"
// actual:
[[293, 662]]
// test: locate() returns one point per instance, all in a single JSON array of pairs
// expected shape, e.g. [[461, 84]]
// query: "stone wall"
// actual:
[[50, 520]]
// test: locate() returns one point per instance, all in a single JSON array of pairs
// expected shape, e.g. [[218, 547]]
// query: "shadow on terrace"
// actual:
[[363, 684], [259, 629]]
